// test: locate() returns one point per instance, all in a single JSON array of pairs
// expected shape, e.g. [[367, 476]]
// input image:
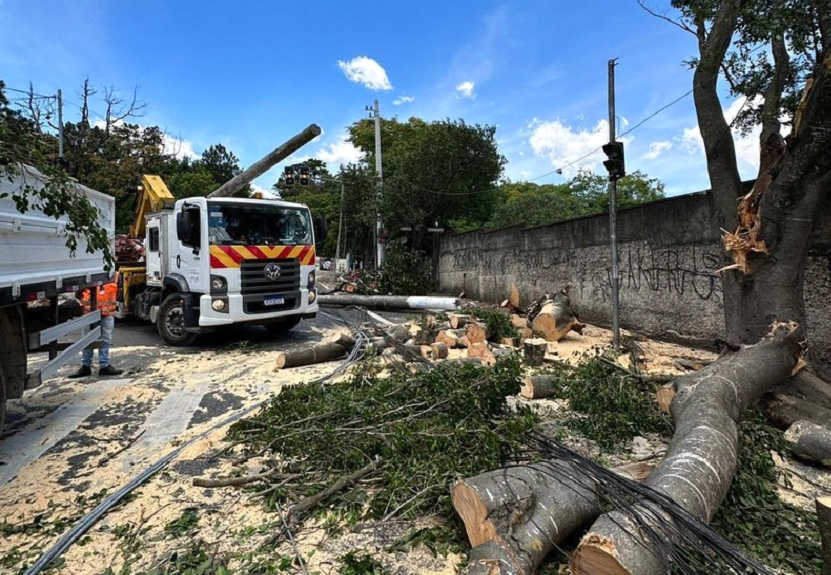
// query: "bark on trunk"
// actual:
[[810, 442], [316, 354], [824, 524], [535, 351], [701, 458], [785, 410]]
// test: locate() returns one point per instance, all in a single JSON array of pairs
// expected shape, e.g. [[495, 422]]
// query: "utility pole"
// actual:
[[340, 223], [60, 124], [613, 214], [379, 247]]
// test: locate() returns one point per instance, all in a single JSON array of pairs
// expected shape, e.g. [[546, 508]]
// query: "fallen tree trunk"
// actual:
[[701, 458], [389, 302], [810, 442], [785, 410], [538, 386], [509, 513], [310, 355], [556, 318]]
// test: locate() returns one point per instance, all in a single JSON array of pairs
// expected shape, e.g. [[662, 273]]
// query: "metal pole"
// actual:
[[613, 217], [60, 124], [340, 224], [379, 255]]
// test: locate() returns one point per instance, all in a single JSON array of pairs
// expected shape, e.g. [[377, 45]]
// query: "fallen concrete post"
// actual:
[[390, 302]]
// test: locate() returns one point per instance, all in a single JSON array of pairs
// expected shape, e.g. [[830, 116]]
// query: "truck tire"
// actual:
[[283, 326], [171, 322]]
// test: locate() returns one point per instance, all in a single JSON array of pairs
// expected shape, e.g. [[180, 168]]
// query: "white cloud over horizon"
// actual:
[[565, 147], [366, 71], [466, 89], [403, 100], [656, 149], [340, 152]]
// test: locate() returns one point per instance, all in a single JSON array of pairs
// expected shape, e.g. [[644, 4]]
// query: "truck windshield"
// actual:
[[257, 224]]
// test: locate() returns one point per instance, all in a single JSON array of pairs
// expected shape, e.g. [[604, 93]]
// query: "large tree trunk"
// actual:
[[701, 458]]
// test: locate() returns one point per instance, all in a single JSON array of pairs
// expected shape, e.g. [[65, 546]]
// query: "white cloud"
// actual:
[[566, 147], [403, 100], [465, 89], [177, 147], [340, 152], [366, 71], [266, 193], [656, 149]]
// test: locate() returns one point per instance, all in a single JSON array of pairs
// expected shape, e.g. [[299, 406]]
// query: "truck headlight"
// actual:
[[218, 305], [310, 282], [218, 284]]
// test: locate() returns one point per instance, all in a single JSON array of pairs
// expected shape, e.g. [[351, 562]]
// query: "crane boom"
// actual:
[[153, 196]]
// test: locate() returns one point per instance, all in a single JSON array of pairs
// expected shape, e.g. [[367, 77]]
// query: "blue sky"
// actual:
[[250, 74]]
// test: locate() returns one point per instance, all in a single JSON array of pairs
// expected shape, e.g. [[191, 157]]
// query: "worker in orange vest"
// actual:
[[106, 304]]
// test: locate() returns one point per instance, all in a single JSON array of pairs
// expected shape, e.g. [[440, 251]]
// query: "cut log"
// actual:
[[482, 351], [476, 332], [423, 337], [810, 442], [538, 386], [399, 333], [824, 525], [701, 458], [458, 320], [664, 396], [535, 350], [519, 322], [450, 337], [508, 513], [310, 355], [508, 341], [438, 350], [555, 319]]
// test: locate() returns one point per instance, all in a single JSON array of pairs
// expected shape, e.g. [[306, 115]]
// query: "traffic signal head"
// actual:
[[304, 175], [615, 164], [288, 176]]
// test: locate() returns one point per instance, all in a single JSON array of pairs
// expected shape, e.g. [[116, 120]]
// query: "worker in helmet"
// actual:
[[107, 306]]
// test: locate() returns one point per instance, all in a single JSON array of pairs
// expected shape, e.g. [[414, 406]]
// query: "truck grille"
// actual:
[[256, 286], [254, 281]]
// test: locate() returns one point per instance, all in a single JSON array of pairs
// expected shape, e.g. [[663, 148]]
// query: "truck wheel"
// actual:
[[283, 326], [171, 322]]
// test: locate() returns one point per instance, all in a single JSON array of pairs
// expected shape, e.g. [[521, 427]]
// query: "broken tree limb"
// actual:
[[785, 410], [235, 481], [389, 302], [343, 482], [509, 513], [810, 442], [535, 350], [664, 396], [538, 386], [701, 458], [308, 356], [824, 525]]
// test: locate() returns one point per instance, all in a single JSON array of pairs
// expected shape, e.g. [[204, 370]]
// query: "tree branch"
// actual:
[[681, 24], [773, 93]]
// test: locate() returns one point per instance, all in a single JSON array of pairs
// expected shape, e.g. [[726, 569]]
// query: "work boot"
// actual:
[[109, 370], [83, 371]]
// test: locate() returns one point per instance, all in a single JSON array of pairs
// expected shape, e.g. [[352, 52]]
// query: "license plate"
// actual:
[[274, 300]]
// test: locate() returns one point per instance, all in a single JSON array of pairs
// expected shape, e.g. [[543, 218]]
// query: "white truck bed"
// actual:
[[33, 252]]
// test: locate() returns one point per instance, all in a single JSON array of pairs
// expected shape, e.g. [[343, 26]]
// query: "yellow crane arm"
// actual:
[[153, 196]]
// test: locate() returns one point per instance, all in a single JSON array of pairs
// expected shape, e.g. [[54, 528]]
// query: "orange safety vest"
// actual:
[[106, 298]]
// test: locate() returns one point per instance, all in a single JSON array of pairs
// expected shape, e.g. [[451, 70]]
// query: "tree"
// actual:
[[434, 172], [774, 53]]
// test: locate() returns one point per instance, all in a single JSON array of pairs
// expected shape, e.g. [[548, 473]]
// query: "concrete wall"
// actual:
[[669, 253]]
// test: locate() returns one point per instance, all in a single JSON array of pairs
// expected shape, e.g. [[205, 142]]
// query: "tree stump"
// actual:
[[535, 350]]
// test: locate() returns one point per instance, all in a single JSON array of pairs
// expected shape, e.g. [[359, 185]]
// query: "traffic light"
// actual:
[[615, 165], [304, 175], [288, 176]]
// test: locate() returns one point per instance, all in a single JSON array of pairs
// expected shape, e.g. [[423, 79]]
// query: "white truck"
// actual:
[[36, 267], [217, 261]]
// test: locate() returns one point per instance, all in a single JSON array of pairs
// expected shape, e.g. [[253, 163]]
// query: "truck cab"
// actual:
[[212, 262]]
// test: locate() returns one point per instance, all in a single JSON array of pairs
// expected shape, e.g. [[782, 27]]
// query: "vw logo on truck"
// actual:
[[272, 271]]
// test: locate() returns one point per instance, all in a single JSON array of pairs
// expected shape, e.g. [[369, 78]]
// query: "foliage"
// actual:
[[406, 272], [354, 564], [527, 204], [498, 323], [440, 540], [609, 406], [428, 429], [434, 172], [184, 523], [754, 517]]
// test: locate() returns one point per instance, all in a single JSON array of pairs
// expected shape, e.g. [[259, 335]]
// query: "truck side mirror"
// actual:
[[321, 228], [183, 226], [188, 229]]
